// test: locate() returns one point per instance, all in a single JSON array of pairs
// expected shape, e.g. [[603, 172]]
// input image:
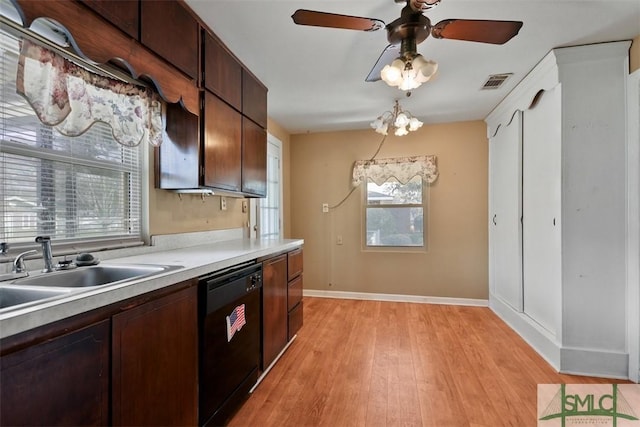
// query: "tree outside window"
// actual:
[[395, 213]]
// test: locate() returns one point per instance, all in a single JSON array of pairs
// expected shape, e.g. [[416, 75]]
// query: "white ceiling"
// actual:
[[316, 76]]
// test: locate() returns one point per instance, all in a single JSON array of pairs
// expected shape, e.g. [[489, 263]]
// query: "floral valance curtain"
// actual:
[[403, 169], [72, 99]]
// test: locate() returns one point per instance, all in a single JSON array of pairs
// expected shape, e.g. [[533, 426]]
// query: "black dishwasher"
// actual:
[[230, 324]]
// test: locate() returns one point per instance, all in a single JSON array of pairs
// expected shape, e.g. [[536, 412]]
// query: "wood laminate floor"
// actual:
[[370, 363]]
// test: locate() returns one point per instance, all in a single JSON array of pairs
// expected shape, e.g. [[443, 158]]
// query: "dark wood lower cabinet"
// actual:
[[274, 308], [154, 362], [62, 381]]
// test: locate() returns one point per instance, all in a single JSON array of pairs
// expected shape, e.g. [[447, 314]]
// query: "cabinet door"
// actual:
[[155, 360], [505, 199], [541, 202], [222, 73], [254, 99], [178, 157], [254, 158], [274, 308], [222, 144], [171, 31], [124, 14], [64, 381]]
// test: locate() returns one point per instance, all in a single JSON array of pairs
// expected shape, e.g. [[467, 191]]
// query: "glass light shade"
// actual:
[[414, 124], [401, 131], [409, 75], [392, 73], [401, 120], [398, 121]]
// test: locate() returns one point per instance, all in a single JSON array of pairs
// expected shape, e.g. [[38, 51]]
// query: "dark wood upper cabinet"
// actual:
[[170, 30], [254, 158], [124, 14], [254, 99], [178, 157], [62, 381], [222, 145], [222, 72]]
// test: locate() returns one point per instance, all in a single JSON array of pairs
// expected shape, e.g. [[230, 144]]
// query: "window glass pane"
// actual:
[[82, 188], [392, 192], [395, 226]]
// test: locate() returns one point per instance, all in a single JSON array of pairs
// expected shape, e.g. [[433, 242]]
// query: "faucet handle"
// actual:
[[4, 248], [41, 239]]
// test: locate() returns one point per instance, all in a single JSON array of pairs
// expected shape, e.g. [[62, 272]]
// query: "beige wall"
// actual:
[[172, 213], [455, 264], [634, 55]]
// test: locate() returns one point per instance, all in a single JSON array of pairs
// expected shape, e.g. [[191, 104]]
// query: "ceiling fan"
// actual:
[[410, 69]]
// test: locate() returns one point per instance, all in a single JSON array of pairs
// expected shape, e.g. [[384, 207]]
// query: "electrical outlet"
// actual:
[[339, 239], [325, 207], [223, 203], [245, 206]]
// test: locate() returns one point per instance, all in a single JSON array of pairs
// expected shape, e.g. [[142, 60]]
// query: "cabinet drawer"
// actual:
[[294, 295], [295, 320], [294, 263]]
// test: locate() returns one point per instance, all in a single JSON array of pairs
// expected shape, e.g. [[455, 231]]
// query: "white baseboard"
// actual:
[[594, 363], [541, 340], [395, 298], [567, 360]]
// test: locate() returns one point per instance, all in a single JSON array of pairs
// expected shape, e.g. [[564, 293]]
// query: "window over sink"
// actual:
[[82, 189]]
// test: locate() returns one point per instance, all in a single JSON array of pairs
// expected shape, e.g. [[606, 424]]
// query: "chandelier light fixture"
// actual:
[[399, 121], [408, 71]]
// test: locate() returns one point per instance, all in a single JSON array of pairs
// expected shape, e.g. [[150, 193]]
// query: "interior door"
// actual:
[[265, 219], [505, 198], [541, 207]]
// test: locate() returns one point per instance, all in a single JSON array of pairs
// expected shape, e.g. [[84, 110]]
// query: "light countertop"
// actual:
[[195, 261]]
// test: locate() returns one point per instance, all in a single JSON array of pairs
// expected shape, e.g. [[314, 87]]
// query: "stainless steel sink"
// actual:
[[100, 275], [14, 296]]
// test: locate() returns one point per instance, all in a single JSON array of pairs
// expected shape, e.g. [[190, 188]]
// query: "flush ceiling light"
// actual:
[[408, 71], [401, 122]]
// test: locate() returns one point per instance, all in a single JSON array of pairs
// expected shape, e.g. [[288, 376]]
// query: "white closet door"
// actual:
[[541, 206], [505, 196]]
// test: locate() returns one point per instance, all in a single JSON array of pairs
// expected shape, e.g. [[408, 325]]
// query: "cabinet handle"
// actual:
[[554, 222], [494, 219]]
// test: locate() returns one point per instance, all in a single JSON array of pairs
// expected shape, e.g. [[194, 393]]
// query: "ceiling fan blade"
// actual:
[[484, 31], [333, 20], [390, 53]]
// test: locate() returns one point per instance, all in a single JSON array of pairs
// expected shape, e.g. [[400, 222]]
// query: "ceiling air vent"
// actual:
[[495, 81]]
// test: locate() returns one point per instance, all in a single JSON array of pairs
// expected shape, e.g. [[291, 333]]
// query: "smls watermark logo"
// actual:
[[592, 405]]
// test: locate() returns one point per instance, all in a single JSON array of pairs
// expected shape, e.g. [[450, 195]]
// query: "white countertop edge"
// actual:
[[196, 261]]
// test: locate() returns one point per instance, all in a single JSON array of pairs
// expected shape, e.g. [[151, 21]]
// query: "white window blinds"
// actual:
[[84, 188]]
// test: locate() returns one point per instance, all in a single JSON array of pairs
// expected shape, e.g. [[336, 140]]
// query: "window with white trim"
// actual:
[[394, 213], [395, 202], [83, 189]]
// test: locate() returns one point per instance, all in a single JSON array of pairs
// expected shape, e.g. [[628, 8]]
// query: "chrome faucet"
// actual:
[[45, 241], [18, 264]]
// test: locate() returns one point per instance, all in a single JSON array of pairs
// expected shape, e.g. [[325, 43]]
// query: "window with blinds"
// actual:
[[85, 188]]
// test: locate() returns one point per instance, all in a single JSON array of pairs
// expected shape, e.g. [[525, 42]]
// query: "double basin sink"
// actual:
[[29, 291]]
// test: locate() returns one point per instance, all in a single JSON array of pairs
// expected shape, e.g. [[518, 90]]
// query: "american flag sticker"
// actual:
[[235, 321]]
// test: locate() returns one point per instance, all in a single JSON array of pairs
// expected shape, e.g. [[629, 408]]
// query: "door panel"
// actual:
[[505, 190], [541, 235]]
